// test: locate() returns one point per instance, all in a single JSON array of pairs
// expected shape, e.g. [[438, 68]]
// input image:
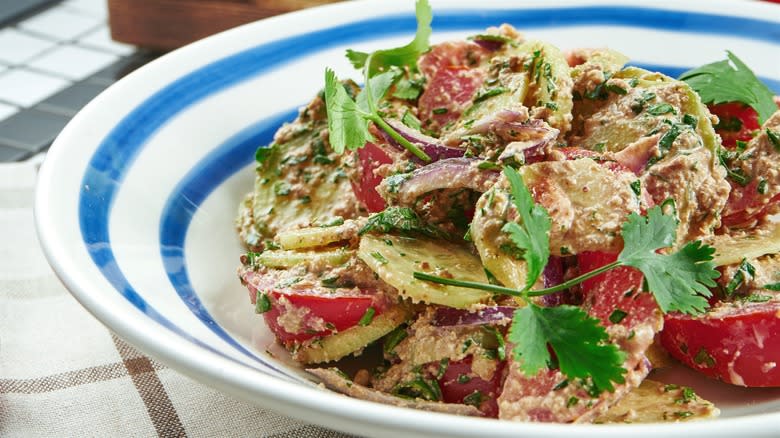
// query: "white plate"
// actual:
[[137, 196]]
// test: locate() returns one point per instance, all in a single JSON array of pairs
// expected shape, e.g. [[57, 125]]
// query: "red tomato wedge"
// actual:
[[737, 122], [370, 157], [453, 79], [297, 315], [459, 385], [738, 344], [615, 297]]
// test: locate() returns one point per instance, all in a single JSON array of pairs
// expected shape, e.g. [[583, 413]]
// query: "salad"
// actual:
[[504, 229]]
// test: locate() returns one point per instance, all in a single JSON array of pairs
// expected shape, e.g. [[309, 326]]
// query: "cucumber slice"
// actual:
[[317, 236], [550, 82], [354, 339], [613, 132], [730, 250], [487, 237], [289, 259], [301, 182], [394, 259]]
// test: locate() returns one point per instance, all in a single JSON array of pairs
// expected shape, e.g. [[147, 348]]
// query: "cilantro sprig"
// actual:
[[731, 80], [404, 56], [348, 120], [678, 281]]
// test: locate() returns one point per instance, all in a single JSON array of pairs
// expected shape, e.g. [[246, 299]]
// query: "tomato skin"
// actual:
[[454, 391], [619, 288], [733, 115], [736, 344], [453, 78], [338, 312], [370, 157]]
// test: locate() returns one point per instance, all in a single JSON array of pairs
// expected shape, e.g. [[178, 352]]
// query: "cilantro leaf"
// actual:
[[401, 219], [357, 59], [347, 124], [532, 237], [375, 91], [678, 281], [731, 81], [580, 344], [405, 56]]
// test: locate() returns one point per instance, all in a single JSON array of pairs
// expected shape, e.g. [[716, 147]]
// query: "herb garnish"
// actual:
[[679, 281], [731, 81], [348, 119]]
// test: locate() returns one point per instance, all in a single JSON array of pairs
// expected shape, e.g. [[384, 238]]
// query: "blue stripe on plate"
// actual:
[[185, 199], [117, 152]]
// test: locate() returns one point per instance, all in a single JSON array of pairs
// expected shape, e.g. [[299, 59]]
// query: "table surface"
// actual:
[[62, 373]]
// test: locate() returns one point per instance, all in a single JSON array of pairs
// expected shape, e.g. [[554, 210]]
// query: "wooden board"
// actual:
[[169, 24]]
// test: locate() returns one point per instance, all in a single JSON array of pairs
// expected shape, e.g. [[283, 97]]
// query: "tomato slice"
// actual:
[[616, 297], [298, 315], [738, 344], [459, 385], [453, 79], [370, 157], [295, 317], [737, 122]]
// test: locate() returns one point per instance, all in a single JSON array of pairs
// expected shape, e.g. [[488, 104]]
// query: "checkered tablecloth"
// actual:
[[62, 373]]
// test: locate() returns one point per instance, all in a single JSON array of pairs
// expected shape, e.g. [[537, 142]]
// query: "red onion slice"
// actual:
[[449, 317], [431, 146], [450, 173]]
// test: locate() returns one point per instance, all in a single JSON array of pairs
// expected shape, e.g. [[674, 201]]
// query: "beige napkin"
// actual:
[[62, 373]]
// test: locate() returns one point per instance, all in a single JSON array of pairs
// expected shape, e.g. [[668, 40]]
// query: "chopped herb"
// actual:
[[639, 104], [599, 147], [464, 378], [771, 286], [443, 365], [683, 414], [336, 221], [493, 38], [487, 165], [572, 401], [616, 316], [501, 348], [636, 187], [440, 110], [564, 383], [761, 187], [756, 298], [379, 257], [393, 339], [661, 109], [411, 121], [418, 388], [616, 89], [486, 94], [402, 219], [466, 344], [367, 317], [703, 357], [774, 137], [690, 120], [330, 282], [263, 153], [475, 399], [671, 387], [262, 303], [688, 395], [745, 272], [282, 188], [565, 250]]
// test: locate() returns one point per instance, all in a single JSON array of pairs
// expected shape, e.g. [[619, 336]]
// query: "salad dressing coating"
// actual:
[[415, 248]]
